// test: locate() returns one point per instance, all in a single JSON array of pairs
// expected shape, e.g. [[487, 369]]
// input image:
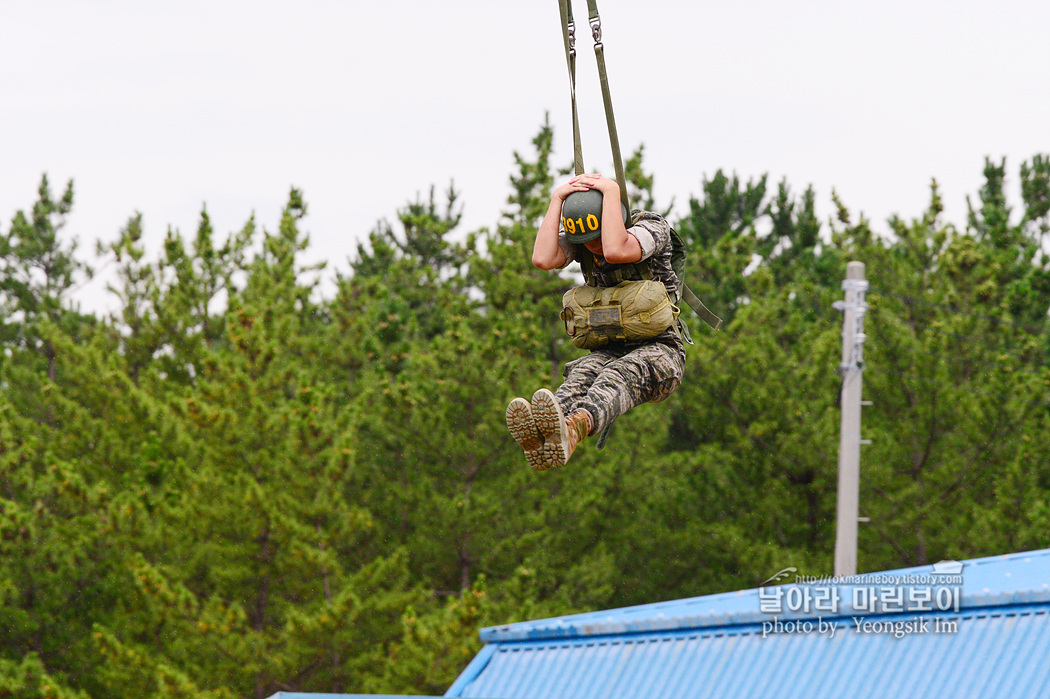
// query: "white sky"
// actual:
[[163, 106]]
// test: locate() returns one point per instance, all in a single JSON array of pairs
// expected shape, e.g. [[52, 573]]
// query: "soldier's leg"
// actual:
[[524, 424], [579, 375], [557, 434], [648, 374]]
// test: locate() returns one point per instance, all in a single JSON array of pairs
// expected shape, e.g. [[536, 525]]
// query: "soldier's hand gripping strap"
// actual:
[[629, 311]]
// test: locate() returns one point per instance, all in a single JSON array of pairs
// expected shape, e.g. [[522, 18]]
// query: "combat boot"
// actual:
[[523, 429], [560, 434]]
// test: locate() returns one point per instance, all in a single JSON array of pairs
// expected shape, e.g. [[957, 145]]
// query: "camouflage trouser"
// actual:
[[610, 381]]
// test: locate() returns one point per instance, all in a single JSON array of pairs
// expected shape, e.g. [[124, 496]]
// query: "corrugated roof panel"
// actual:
[[313, 695], [995, 652], [1021, 578], [1030, 650]]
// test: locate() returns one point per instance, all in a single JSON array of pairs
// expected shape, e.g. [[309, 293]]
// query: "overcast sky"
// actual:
[[163, 107]]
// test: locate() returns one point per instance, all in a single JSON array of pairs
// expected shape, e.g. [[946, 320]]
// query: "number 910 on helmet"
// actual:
[[581, 216]]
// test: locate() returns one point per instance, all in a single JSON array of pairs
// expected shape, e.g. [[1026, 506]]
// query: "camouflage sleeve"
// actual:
[[653, 236]]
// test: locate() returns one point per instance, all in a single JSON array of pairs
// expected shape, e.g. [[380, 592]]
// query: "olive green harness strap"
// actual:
[[700, 309], [587, 262], [568, 31], [603, 436], [614, 141]]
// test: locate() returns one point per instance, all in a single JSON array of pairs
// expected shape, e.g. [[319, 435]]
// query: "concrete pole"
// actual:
[[849, 437]]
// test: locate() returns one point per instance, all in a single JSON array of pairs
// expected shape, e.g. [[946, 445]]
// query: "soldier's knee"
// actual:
[[664, 389]]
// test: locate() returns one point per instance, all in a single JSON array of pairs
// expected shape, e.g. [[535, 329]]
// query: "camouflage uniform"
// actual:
[[610, 381]]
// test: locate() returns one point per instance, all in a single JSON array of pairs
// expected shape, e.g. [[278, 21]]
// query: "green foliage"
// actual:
[[233, 486], [438, 643], [960, 382], [28, 679], [170, 310], [38, 269], [37, 272]]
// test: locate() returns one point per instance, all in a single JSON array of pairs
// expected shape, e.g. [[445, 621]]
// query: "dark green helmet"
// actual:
[[581, 216]]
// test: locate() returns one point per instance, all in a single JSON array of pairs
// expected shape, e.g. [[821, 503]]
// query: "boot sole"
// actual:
[[522, 428], [551, 423]]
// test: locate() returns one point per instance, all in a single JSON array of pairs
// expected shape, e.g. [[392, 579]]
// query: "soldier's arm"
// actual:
[[547, 252], [618, 246]]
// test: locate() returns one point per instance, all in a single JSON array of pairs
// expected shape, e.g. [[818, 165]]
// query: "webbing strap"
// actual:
[[700, 309], [614, 141], [603, 436], [587, 263], [568, 33]]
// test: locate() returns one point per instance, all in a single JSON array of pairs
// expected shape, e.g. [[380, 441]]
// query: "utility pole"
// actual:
[[852, 367]]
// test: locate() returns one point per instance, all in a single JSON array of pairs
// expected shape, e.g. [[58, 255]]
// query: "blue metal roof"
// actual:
[[994, 640], [996, 580], [301, 695]]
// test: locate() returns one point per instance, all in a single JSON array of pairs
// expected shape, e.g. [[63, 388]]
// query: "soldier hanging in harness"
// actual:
[[625, 316]]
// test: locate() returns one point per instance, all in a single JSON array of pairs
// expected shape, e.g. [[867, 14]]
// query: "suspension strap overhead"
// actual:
[[568, 33], [614, 141], [568, 30]]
